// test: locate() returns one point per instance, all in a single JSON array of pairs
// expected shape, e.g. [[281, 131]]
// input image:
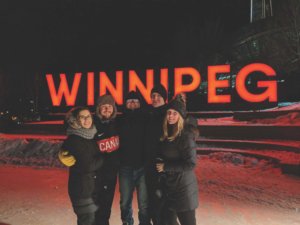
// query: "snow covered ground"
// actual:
[[287, 106], [290, 118], [229, 195], [234, 189]]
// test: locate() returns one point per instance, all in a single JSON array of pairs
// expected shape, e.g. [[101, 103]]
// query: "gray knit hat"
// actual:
[[106, 99]]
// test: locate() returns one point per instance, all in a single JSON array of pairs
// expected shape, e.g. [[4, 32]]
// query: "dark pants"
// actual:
[[105, 190], [129, 179], [185, 218], [84, 209], [86, 219], [157, 203]]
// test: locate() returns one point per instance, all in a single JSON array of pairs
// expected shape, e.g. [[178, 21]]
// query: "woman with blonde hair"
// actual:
[[178, 154]]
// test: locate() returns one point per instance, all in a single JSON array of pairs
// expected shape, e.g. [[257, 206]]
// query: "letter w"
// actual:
[[63, 90]]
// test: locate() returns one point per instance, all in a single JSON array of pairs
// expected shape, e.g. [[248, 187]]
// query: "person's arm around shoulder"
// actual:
[[86, 161], [64, 154], [66, 158]]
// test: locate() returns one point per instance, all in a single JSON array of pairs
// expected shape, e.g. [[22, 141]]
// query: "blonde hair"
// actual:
[[176, 131]]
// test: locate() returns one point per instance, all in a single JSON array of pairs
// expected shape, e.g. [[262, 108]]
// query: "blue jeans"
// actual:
[[130, 179]]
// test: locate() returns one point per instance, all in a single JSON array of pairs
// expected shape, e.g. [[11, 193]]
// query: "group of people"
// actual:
[[151, 151]]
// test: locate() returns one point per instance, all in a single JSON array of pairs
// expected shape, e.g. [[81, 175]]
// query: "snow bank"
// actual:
[[247, 182], [290, 118], [31, 152], [38, 152], [287, 106]]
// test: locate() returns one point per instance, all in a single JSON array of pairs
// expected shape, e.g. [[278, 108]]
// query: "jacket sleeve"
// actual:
[[188, 156], [84, 161]]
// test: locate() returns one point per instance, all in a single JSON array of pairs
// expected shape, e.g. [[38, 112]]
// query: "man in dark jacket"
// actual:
[[153, 133], [131, 175], [107, 138]]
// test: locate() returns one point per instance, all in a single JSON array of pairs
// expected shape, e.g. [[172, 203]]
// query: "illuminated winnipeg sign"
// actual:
[[69, 91]]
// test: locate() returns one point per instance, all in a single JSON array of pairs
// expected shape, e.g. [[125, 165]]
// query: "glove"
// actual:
[[65, 158]]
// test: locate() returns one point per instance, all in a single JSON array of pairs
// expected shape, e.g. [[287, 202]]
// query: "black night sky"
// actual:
[[53, 36], [67, 34]]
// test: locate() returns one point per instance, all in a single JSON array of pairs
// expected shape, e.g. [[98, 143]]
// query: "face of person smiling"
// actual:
[[172, 116], [85, 119], [132, 104], [157, 100], [106, 110]]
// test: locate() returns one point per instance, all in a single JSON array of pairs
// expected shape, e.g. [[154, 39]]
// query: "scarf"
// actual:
[[83, 132]]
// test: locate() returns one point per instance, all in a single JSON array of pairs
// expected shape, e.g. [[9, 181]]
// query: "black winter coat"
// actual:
[[180, 183], [88, 160], [132, 133], [108, 140], [153, 132]]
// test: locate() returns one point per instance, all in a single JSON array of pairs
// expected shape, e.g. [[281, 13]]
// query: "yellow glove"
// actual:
[[65, 158]]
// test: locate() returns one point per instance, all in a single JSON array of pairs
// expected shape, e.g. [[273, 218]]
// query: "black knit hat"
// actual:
[[160, 89], [178, 106], [132, 95]]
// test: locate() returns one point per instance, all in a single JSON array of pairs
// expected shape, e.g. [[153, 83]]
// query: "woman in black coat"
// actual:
[[178, 153], [81, 144]]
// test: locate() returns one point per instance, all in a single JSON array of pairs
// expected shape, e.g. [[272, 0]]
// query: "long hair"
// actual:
[[175, 132]]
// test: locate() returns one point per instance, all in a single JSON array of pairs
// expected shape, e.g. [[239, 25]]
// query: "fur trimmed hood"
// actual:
[[191, 126], [106, 99]]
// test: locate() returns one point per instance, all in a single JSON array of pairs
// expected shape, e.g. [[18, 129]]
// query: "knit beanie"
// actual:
[[160, 89], [179, 106], [106, 99], [133, 95]]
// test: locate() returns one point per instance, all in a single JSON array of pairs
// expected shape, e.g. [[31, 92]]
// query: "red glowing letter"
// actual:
[[90, 89], [271, 91], [135, 82], [164, 76], [63, 90], [188, 71], [116, 92], [213, 84]]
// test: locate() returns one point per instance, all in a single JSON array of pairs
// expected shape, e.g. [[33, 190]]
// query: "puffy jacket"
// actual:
[[180, 183], [88, 160]]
